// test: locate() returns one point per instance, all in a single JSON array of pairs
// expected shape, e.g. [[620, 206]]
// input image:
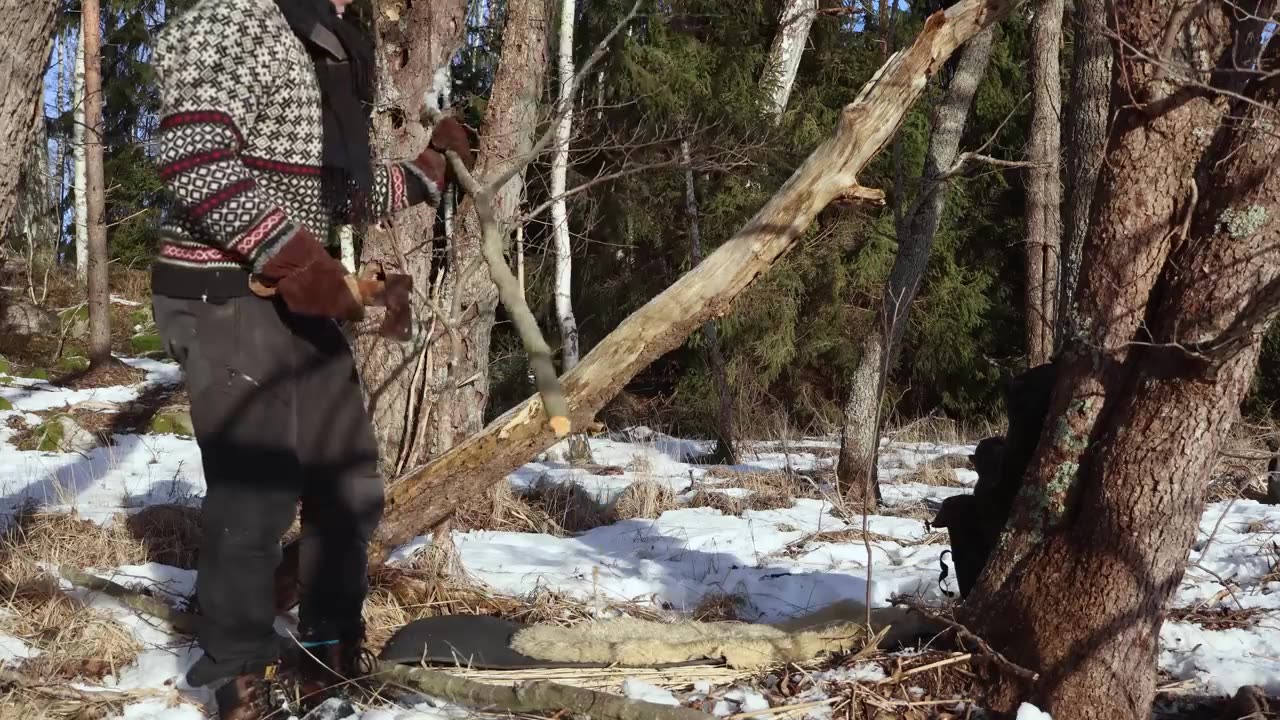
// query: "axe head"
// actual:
[[397, 323]]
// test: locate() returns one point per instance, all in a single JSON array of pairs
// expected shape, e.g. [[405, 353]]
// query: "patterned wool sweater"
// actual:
[[239, 149]]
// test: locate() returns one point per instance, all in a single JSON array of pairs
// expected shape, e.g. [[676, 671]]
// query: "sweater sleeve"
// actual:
[[211, 72], [398, 185]]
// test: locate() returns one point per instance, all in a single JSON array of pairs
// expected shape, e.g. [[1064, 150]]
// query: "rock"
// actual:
[[20, 316], [63, 434], [5, 404], [76, 320], [174, 421]]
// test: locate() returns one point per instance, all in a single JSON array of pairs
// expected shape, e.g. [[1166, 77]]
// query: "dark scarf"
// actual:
[[344, 65]]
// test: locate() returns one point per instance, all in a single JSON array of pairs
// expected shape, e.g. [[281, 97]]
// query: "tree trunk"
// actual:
[[25, 39], [422, 498], [80, 186], [36, 222], [784, 55], [724, 452], [1181, 258], [411, 49], [1086, 136], [1044, 194], [579, 446], [559, 213], [860, 433], [99, 293], [507, 135]]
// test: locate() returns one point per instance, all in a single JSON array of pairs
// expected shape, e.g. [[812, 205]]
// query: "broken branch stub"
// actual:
[[426, 496]]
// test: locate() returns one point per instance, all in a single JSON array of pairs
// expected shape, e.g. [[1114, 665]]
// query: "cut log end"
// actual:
[[561, 425]]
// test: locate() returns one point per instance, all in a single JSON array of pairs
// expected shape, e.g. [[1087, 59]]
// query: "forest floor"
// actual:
[[642, 530]]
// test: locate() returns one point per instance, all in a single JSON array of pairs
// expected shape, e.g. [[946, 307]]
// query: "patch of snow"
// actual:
[[1027, 711], [637, 690]]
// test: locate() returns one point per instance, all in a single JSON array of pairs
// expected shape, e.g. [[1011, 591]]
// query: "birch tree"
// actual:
[[80, 212], [579, 447], [784, 55]]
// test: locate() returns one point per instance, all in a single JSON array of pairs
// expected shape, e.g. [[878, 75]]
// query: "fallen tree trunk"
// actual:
[[424, 497]]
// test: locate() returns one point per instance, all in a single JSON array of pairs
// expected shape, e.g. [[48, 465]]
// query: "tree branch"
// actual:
[[535, 345], [964, 634]]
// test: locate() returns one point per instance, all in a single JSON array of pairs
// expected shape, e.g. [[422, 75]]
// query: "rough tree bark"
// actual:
[[780, 66], [95, 191], [36, 221], [24, 51], [1044, 193], [423, 498], [1180, 278], [442, 378], [724, 452], [860, 433], [411, 48], [80, 183], [1086, 136]]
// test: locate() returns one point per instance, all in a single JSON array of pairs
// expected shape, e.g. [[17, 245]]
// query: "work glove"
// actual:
[[309, 280], [448, 134]]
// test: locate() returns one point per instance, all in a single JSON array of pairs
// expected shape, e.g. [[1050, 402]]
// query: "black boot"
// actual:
[[268, 693]]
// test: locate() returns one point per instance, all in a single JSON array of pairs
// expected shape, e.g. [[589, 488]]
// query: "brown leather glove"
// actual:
[[309, 280], [448, 134]]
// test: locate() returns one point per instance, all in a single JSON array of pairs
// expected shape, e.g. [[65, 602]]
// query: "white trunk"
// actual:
[[347, 244], [784, 56], [81, 186], [559, 213]]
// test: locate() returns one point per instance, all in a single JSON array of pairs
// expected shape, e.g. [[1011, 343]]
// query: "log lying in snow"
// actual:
[[132, 599], [426, 496]]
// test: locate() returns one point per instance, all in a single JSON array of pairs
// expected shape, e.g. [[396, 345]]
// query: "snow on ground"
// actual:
[[781, 562]]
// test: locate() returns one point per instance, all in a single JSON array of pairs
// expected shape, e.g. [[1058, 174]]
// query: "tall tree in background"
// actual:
[[1044, 192], [80, 193], [1085, 126], [99, 292], [28, 27], [859, 438], [579, 448], [784, 55], [1180, 280]]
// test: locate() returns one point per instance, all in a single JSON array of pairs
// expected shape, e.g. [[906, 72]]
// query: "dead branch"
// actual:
[[538, 696], [57, 689], [421, 499], [509, 290], [131, 599], [965, 635]]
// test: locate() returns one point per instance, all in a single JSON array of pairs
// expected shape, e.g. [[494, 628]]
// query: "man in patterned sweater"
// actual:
[[264, 147]]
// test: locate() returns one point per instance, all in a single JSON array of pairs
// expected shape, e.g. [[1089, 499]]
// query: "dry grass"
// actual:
[[718, 607], [500, 508], [934, 474], [725, 503], [74, 641], [644, 499], [1218, 618], [170, 533]]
